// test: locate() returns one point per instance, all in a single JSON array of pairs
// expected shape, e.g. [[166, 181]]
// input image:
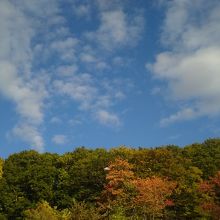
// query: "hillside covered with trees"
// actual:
[[165, 182]]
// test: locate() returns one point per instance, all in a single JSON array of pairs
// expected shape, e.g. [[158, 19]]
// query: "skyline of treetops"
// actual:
[[167, 182]]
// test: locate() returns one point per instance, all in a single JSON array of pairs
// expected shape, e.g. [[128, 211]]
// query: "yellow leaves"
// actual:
[[151, 193], [119, 173], [120, 164], [153, 190], [43, 211]]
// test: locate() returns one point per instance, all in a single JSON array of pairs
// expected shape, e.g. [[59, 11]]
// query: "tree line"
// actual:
[[167, 182]]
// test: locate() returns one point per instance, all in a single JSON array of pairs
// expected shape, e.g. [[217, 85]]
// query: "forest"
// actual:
[[166, 182]]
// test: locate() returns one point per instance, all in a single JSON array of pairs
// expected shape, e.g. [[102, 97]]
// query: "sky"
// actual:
[[107, 73]]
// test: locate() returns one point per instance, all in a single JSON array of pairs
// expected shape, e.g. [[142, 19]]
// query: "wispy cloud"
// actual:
[[31, 134], [117, 29], [82, 88], [41, 57], [106, 5], [185, 114], [66, 70], [191, 66], [65, 49], [17, 81], [108, 118], [55, 120], [82, 10], [59, 139]]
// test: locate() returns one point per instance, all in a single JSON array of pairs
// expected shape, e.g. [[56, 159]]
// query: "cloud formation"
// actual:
[[17, 82], [31, 134], [95, 100], [59, 139], [117, 29], [108, 118], [41, 57], [191, 66]]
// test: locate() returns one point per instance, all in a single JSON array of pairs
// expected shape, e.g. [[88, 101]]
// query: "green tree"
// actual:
[[83, 211], [85, 174], [171, 162], [186, 197], [43, 211], [1, 167], [205, 156], [28, 177]]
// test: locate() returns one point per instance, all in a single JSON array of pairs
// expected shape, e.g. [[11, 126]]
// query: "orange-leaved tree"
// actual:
[[118, 189], [153, 196]]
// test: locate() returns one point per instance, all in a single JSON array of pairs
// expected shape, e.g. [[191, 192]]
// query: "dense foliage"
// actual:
[[167, 182]]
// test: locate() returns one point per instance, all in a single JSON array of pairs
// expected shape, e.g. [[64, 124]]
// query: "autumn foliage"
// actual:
[[122, 183], [211, 196], [147, 196], [119, 176], [117, 190], [153, 194]]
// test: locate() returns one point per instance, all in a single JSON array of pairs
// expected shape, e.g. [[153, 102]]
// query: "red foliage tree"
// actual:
[[211, 196], [152, 195]]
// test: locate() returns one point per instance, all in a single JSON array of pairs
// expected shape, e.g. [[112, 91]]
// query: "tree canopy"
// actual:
[[166, 182]]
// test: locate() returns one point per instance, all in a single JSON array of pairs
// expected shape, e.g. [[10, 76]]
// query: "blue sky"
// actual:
[[106, 73]]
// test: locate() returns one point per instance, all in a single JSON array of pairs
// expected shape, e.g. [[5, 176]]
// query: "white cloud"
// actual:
[[117, 30], [101, 65], [40, 9], [118, 61], [65, 44], [67, 70], [75, 121], [107, 118], [88, 58], [106, 5], [30, 134], [14, 43], [184, 114], [55, 120], [119, 95], [66, 48], [191, 68], [155, 90], [59, 139], [79, 88], [93, 98], [82, 11], [17, 81], [191, 25], [40, 57], [28, 96]]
